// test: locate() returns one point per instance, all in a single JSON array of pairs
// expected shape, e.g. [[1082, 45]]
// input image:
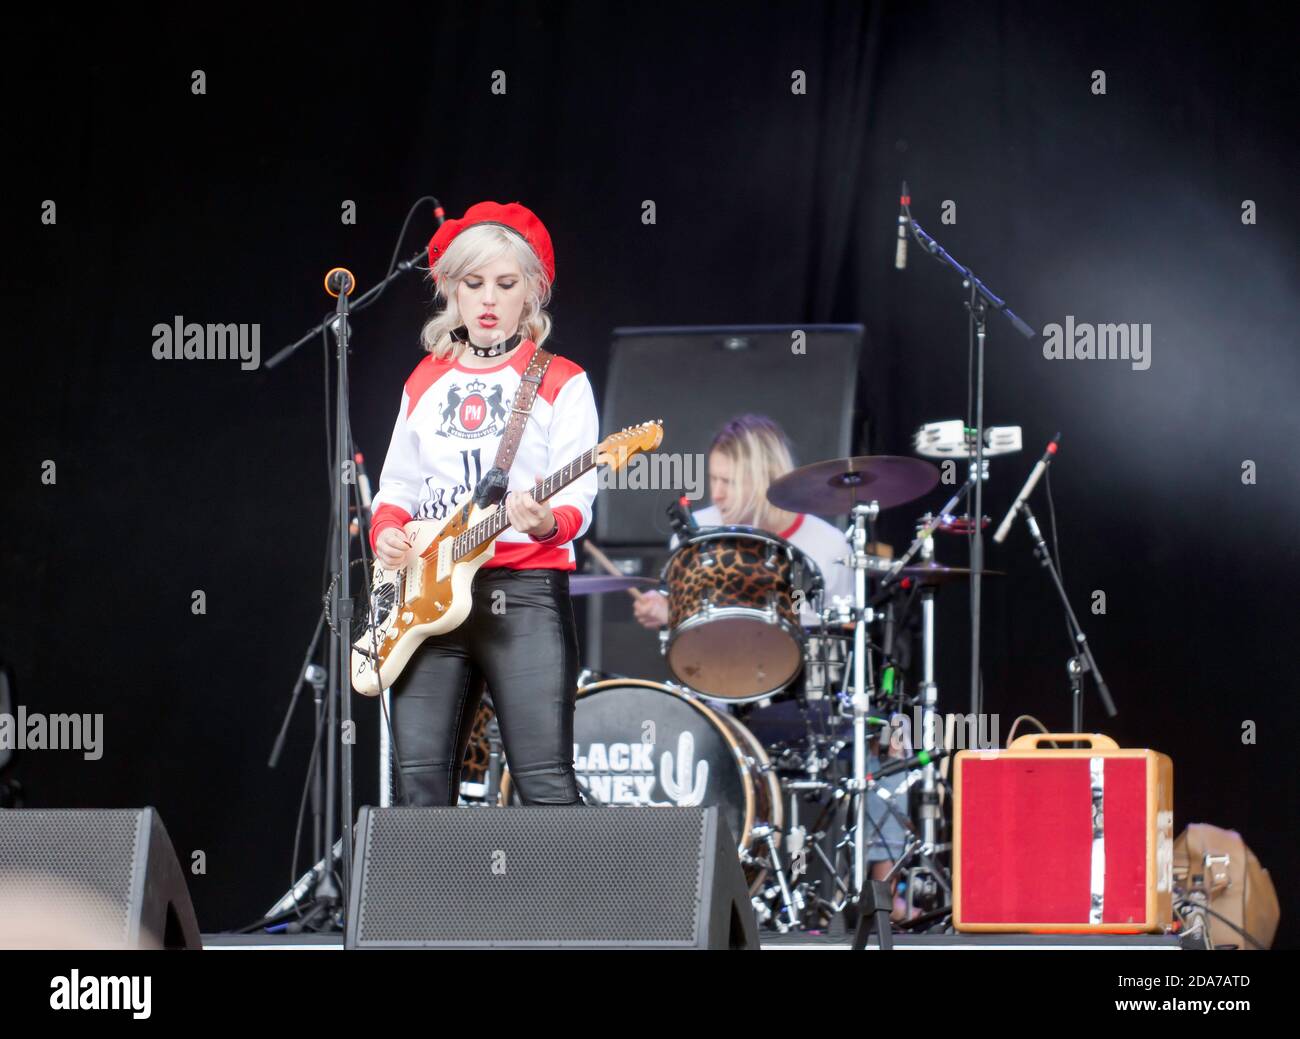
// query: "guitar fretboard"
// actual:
[[486, 529]]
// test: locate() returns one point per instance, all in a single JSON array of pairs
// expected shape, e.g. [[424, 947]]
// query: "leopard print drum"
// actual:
[[733, 618]]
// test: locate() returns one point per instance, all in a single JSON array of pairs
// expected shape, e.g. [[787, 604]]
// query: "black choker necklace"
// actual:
[[461, 335]]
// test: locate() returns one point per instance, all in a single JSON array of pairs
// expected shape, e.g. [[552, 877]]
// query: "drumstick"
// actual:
[[605, 562]]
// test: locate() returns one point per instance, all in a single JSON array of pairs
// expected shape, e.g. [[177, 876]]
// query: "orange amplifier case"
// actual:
[[1074, 841]]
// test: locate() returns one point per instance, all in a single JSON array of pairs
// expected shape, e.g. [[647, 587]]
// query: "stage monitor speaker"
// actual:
[[103, 878], [572, 877], [695, 379]]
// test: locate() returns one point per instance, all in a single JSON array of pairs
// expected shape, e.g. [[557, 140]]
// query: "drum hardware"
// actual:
[[929, 690], [791, 902], [931, 522], [861, 486], [963, 525], [930, 574], [926, 886], [877, 904], [863, 687]]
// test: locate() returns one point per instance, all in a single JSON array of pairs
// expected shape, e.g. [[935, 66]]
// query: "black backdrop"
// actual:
[[771, 207]]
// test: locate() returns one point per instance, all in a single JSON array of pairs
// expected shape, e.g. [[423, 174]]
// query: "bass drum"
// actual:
[[645, 743]]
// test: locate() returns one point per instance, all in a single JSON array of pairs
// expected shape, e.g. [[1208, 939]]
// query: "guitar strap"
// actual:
[[492, 488]]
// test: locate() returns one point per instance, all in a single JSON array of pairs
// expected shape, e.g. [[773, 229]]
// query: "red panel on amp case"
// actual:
[[1063, 840]]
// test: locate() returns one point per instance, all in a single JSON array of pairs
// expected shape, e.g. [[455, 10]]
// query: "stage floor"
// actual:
[[947, 942]]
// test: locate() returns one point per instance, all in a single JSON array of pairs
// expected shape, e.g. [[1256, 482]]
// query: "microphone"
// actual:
[[1035, 475], [363, 481], [681, 518], [340, 282], [900, 251]]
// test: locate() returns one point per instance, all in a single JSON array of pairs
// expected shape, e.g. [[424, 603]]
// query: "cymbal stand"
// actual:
[[929, 813], [923, 532], [863, 687]]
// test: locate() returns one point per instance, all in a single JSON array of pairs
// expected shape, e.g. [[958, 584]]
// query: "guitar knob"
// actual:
[[407, 617]]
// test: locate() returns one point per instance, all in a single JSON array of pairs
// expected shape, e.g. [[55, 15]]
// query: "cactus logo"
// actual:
[[625, 773]]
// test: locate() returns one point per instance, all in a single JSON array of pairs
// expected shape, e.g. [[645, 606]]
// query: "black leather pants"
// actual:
[[521, 640]]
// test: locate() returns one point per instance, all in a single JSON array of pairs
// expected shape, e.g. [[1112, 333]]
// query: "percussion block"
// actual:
[[1063, 840]]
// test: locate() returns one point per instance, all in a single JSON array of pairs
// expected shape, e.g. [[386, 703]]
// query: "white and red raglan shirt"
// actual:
[[446, 437]]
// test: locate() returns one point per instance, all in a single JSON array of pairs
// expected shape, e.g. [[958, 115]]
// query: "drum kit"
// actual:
[[797, 731]]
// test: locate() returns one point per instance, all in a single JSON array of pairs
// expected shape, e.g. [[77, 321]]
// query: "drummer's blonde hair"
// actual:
[[759, 453]]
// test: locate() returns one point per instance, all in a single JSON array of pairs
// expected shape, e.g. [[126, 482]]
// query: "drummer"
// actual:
[[749, 453]]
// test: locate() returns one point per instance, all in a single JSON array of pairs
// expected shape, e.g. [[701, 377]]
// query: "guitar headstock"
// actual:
[[618, 448]]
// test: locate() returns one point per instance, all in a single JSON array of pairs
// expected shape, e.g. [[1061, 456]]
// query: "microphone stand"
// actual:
[[1081, 661], [980, 300], [327, 900]]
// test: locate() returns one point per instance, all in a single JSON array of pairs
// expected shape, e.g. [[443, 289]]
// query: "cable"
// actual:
[[302, 810], [1028, 718], [1219, 916], [392, 263]]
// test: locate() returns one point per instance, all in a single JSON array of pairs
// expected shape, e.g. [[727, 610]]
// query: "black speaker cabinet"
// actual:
[[695, 379], [121, 857], [581, 877]]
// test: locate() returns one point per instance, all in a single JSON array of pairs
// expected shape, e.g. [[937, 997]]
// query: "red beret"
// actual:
[[513, 215]]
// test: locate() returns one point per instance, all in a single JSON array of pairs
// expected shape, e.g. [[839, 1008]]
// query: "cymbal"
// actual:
[[835, 486], [596, 584], [936, 573]]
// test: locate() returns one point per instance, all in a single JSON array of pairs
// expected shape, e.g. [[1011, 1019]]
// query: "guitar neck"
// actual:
[[486, 529]]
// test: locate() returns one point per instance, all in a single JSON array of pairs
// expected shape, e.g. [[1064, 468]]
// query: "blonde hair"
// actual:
[[473, 248], [759, 453]]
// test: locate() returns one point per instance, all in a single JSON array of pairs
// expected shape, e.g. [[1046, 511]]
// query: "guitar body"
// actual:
[[426, 599], [430, 595]]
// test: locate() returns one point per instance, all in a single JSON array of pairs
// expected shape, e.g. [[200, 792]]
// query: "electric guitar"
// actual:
[[430, 595]]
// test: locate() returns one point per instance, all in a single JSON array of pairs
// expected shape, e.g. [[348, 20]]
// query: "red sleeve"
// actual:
[[567, 519], [387, 516]]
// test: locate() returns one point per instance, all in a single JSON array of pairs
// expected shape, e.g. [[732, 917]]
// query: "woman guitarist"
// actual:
[[495, 268]]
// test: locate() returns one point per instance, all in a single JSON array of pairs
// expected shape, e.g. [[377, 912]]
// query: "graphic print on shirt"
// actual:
[[438, 502], [468, 413]]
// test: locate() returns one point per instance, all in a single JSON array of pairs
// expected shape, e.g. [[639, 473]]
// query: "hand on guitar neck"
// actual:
[[528, 515]]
